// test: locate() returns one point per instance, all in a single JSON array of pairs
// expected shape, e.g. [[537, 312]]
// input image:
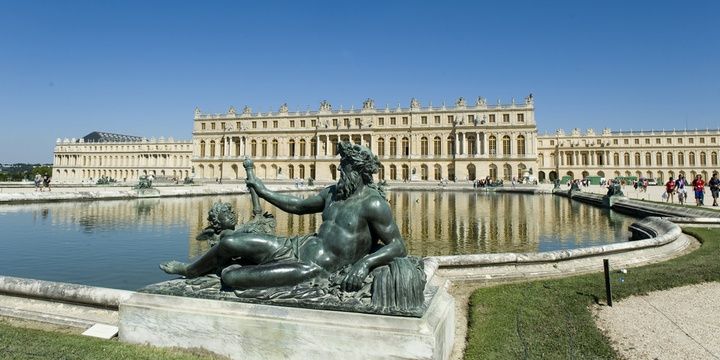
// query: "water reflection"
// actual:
[[119, 243]]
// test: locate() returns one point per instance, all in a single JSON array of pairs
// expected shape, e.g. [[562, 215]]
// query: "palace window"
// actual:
[[291, 148], [626, 141], [393, 147], [405, 147], [253, 148], [521, 145], [263, 148], [681, 159], [381, 147], [437, 143], [237, 126], [491, 118], [702, 140], [616, 159], [680, 140], [264, 124], [222, 125], [492, 145], [669, 159], [302, 147], [506, 145], [423, 120], [437, 119], [313, 123], [302, 123], [703, 159], [346, 122], [292, 123], [451, 119], [405, 120], [313, 147], [335, 122], [275, 124], [657, 141], [275, 147], [212, 126], [691, 140], [254, 124], [392, 121], [202, 126], [381, 121], [647, 141], [658, 159], [506, 117], [668, 140], [615, 141], [626, 159], [357, 122], [424, 146], [521, 117], [648, 159], [691, 159]]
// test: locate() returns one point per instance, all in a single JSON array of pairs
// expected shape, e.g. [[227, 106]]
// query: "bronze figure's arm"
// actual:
[[289, 203]]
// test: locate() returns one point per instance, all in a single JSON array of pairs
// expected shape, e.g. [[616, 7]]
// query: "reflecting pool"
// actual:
[[119, 244]]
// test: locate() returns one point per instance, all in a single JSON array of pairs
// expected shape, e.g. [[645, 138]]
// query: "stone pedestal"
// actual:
[[252, 331]]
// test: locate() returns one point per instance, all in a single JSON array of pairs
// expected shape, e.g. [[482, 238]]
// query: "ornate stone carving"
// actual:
[[481, 102], [283, 108], [247, 110], [529, 100], [368, 104], [325, 106], [414, 104], [460, 103]]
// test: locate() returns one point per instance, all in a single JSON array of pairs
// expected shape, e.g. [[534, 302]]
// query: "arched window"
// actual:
[[381, 147], [275, 147], [637, 159], [616, 159], [393, 172], [520, 145], [381, 172], [302, 147], [703, 159], [648, 159], [405, 147], [424, 146], [506, 145], [713, 158], [301, 170], [658, 159], [202, 149], [253, 148], [492, 145], [212, 148], [493, 172], [291, 171], [437, 143], [438, 172], [291, 148], [691, 158], [313, 147], [450, 145], [393, 149], [681, 159], [423, 172], [626, 158], [670, 159], [263, 147]]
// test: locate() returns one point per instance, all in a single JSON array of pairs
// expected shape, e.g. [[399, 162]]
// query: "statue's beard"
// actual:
[[347, 185]]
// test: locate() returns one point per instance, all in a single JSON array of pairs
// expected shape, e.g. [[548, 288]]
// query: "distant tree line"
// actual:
[[20, 172]]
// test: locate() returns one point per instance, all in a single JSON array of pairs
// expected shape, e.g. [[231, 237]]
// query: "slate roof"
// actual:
[[100, 136]]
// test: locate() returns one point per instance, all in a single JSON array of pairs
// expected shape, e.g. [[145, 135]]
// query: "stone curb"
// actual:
[[73, 293]]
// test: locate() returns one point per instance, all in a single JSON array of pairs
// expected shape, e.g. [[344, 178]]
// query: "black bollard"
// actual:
[[608, 289]]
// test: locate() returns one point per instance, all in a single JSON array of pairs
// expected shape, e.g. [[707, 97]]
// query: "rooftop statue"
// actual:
[[357, 245]]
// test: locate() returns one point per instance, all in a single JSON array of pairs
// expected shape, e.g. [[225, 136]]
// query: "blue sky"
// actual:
[[140, 67]]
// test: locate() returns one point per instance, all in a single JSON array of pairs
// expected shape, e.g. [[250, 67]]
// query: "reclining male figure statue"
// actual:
[[355, 216]]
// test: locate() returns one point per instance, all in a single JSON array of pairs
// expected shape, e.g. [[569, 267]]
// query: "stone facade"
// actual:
[[78, 160], [654, 154], [417, 143], [463, 142]]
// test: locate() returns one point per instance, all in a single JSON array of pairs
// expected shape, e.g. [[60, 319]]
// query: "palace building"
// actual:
[[653, 154], [413, 144], [416, 143], [121, 157]]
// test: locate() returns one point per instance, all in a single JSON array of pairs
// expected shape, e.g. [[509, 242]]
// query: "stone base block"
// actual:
[[253, 331]]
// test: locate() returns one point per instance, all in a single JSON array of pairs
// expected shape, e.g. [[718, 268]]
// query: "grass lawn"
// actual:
[[550, 319], [25, 343]]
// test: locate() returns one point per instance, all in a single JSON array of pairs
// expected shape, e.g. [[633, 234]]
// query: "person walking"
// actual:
[[46, 182], [699, 187], [680, 188], [714, 184], [670, 190]]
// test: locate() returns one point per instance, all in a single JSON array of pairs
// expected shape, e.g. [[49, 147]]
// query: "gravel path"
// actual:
[[680, 323]]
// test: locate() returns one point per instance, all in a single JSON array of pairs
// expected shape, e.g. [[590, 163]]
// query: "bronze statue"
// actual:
[[358, 232]]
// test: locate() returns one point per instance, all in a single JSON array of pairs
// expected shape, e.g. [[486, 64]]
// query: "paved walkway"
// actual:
[[680, 323]]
